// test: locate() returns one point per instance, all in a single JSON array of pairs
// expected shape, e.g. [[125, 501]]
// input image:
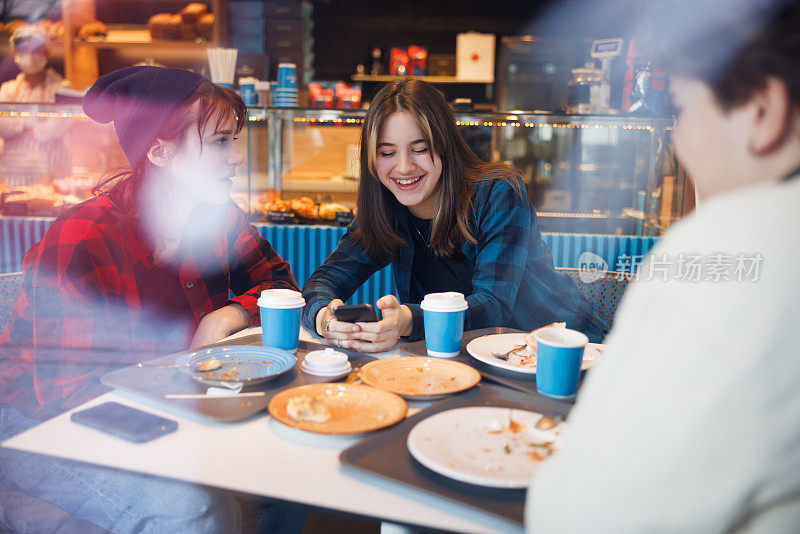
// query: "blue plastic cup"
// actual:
[[559, 353], [443, 315], [280, 318]]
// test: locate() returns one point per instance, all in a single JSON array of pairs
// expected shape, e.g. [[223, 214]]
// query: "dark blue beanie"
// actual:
[[139, 100]]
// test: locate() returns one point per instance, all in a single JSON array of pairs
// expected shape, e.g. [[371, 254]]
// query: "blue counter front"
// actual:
[[306, 247]]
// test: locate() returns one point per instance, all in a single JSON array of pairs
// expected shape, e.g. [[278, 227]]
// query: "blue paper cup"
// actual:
[[280, 318], [559, 353], [443, 315], [287, 75], [248, 90]]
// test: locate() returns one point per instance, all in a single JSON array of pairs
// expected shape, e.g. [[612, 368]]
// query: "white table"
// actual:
[[261, 457]]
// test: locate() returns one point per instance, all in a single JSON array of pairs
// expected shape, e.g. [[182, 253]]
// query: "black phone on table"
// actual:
[[125, 422], [355, 313]]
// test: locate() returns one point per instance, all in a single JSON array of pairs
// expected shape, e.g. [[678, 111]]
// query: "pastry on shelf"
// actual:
[[329, 210], [305, 208], [56, 30], [279, 211], [53, 29], [13, 25], [278, 205], [192, 12], [186, 31], [38, 199], [93, 29], [164, 26], [205, 26]]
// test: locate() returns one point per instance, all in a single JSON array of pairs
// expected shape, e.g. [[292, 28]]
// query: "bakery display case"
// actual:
[[50, 157], [584, 174]]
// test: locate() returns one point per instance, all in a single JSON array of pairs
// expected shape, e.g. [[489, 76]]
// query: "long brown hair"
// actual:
[[208, 102], [461, 170]]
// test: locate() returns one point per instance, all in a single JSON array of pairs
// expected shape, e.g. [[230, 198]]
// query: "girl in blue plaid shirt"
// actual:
[[446, 221]]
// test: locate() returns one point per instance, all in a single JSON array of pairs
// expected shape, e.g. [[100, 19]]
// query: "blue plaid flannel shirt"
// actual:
[[514, 282]]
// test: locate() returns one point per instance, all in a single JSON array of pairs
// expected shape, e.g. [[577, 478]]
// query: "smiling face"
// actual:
[[406, 165], [205, 170]]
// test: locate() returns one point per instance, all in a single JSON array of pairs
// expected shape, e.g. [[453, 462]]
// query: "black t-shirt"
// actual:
[[432, 274]]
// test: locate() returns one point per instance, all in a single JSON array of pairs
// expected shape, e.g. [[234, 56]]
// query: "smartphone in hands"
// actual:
[[355, 313], [125, 422]]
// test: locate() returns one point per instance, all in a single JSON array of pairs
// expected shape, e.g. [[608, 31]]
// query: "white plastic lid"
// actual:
[[326, 360], [287, 65], [281, 298], [450, 301], [560, 337]]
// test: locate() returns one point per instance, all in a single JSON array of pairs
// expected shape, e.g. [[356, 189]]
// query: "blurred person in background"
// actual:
[[446, 221], [690, 422], [143, 268], [36, 82], [33, 150]]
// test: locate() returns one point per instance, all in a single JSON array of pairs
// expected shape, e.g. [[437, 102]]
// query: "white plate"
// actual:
[[476, 445], [484, 349]]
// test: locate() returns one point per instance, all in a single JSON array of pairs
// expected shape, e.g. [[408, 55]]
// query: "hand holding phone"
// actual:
[[125, 422], [355, 313]]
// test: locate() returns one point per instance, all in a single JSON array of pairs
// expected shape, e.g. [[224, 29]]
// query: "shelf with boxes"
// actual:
[[274, 32], [431, 79]]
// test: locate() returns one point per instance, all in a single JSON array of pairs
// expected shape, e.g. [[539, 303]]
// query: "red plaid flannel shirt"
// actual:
[[79, 313]]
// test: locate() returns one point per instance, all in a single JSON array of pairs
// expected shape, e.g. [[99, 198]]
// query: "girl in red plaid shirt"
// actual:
[[158, 261]]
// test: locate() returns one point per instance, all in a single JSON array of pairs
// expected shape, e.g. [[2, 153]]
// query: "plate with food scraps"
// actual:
[[510, 351], [337, 408], [419, 378], [247, 364], [487, 446]]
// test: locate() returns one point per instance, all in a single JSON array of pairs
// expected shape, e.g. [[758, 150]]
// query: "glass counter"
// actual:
[[587, 174]]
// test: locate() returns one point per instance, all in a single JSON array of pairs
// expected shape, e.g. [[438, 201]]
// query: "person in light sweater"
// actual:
[[690, 423]]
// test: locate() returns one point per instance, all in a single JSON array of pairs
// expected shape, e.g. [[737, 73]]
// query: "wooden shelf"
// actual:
[[137, 37], [129, 42], [431, 79]]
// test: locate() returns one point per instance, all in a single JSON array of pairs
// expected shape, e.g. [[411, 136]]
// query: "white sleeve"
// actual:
[[689, 423]]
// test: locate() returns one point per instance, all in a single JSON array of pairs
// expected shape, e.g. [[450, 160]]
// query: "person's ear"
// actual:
[[161, 153], [772, 119]]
